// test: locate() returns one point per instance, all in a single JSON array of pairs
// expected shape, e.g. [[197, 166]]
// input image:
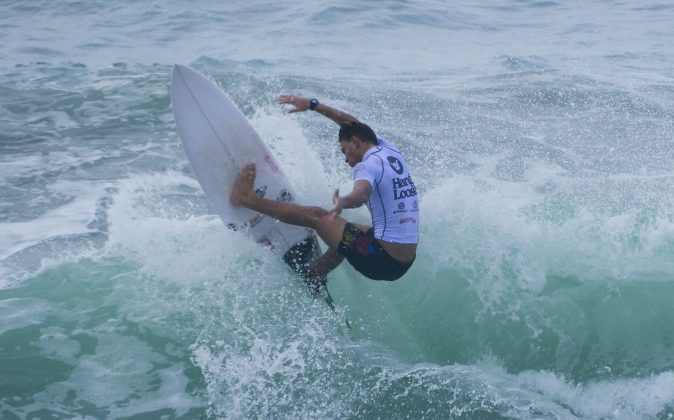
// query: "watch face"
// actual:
[[313, 103]]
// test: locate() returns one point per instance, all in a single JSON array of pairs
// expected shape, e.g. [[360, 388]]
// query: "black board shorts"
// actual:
[[365, 254]]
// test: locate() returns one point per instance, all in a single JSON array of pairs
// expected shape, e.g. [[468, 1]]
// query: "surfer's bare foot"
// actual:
[[243, 187]]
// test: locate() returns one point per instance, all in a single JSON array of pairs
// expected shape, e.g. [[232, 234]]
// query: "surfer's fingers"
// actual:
[[334, 213], [288, 99], [300, 103]]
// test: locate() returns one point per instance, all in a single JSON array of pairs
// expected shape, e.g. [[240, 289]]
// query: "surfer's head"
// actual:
[[355, 138], [357, 129]]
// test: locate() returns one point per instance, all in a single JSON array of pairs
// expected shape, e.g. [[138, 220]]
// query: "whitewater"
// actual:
[[540, 135]]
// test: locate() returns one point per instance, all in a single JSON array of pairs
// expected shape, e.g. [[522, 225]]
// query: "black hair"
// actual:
[[358, 129]]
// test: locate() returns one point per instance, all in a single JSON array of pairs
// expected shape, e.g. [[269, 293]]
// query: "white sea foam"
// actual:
[[626, 398], [295, 153], [69, 219], [111, 378], [20, 313], [58, 235], [494, 222]]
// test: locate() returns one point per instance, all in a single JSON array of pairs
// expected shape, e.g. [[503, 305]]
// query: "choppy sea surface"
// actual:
[[541, 138]]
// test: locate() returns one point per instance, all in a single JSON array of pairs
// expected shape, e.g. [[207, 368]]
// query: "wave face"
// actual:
[[539, 134]]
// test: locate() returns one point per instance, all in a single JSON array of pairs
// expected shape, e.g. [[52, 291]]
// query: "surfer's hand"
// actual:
[[339, 203], [301, 104]]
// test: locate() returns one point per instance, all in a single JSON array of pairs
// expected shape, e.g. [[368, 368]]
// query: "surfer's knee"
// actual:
[[312, 216]]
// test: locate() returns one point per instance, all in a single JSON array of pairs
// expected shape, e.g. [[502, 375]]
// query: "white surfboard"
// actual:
[[218, 140]]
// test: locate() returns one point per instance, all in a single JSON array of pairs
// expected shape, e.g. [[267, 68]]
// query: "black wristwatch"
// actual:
[[313, 104]]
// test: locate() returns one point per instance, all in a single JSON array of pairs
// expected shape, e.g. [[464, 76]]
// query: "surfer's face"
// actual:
[[351, 151]]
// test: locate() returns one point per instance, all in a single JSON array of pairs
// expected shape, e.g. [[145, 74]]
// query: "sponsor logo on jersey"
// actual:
[[403, 188], [396, 165], [401, 208]]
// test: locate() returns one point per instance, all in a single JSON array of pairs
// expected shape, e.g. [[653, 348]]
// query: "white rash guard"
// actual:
[[393, 204]]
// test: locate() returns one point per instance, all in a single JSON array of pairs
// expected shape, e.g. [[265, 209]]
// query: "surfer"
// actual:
[[383, 251]]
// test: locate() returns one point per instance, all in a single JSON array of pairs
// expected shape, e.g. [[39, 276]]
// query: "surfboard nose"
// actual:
[[178, 69], [175, 76]]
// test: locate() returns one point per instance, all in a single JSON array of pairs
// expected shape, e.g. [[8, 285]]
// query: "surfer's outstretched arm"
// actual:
[[303, 104]]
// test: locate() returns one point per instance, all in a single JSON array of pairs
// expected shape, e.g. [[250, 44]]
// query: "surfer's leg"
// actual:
[[326, 263], [328, 227]]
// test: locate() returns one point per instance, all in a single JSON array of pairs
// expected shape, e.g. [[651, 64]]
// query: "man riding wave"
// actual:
[[382, 181]]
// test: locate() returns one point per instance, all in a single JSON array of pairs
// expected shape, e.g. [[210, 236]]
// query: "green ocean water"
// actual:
[[539, 136]]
